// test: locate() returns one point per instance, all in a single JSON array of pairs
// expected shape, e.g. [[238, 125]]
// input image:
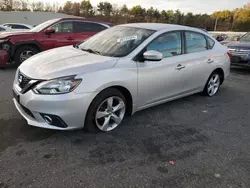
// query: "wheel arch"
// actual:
[[35, 44], [221, 73], [127, 94]]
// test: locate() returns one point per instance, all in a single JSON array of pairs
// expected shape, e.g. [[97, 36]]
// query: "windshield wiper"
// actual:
[[91, 51]]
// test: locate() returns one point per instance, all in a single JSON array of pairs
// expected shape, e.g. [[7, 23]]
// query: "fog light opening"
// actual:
[[48, 119]]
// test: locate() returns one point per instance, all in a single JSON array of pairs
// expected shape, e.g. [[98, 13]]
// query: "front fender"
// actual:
[[100, 80]]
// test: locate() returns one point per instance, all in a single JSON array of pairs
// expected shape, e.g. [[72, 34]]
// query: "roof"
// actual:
[[159, 26], [18, 24], [30, 18]]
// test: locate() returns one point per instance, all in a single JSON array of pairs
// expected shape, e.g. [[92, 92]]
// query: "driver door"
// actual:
[[63, 36], [159, 80]]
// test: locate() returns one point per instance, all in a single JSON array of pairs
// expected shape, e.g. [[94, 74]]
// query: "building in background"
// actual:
[[30, 18]]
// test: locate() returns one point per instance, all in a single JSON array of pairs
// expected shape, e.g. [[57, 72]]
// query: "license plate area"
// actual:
[[16, 96]]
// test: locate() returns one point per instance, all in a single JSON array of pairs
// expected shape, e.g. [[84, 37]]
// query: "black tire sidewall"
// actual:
[[20, 50], [90, 124], [205, 91]]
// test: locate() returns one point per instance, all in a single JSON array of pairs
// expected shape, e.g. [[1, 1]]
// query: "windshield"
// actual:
[[43, 25], [117, 41], [245, 38]]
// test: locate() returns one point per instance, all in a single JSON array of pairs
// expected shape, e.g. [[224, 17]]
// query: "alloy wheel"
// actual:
[[213, 84], [110, 113], [26, 55]]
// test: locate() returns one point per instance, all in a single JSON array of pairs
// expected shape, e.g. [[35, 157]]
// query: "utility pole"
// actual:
[[215, 25]]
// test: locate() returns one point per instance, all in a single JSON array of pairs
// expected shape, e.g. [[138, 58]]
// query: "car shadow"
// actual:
[[240, 70]]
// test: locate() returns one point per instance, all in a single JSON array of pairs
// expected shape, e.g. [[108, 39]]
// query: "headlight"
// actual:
[[57, 86], [5, 47]]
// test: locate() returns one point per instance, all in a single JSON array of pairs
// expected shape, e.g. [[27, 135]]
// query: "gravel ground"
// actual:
[[208, 139]]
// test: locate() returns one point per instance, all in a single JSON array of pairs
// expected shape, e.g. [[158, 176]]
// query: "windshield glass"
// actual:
[[117, 41], [43, 25], [245, 38]]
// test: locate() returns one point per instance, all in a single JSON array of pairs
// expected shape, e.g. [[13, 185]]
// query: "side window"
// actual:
[[88, 27], [169, 44], [82, 27], [2, 29], [8, 25], [210, 43], [195, 42], [63, 27], [15, 26], [98, 27]]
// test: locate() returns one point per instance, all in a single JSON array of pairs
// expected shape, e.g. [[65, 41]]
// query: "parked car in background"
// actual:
[[4, 29], [117, 72], [221, 37], [16, 47], [18, 26], [240, 50], [230, 39]]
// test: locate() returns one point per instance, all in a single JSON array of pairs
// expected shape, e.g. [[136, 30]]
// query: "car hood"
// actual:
[[14, 33], [64, 61], [241, 45]]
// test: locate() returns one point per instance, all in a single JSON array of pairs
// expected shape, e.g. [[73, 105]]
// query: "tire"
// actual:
[[213, 84], [29, 50], [94, 122]]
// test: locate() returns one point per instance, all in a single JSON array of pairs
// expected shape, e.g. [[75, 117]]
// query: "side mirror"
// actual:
[[49, 31], [77, 44], [237, 38], [152, 55]]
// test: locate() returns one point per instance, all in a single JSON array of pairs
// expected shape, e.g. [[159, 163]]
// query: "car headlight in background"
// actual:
[[57, 86], [5, 47], [3, 40]]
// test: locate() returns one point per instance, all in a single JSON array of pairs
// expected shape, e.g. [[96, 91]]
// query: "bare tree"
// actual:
[[7, 5], [17, 5], [24, 5], [48, 7], [37, 6]]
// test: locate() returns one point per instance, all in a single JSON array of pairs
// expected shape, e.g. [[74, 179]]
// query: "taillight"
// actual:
[[229, 55]]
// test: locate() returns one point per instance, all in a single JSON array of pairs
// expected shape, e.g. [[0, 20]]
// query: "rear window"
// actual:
[[210, 42]]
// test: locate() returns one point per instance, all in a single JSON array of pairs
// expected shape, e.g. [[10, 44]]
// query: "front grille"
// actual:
[[22, 80], [27, 111]]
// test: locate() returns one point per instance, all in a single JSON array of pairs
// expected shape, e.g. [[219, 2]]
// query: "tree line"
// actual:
[[226, 20]]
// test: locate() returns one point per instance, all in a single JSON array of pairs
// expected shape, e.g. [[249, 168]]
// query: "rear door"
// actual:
[[84, 30], [63, 35], [197, 61]]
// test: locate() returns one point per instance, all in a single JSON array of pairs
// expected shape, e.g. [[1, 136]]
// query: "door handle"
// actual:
[[179, 67], [210, 61]]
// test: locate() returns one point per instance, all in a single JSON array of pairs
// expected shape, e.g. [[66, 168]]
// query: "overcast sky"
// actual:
[[195, 6]]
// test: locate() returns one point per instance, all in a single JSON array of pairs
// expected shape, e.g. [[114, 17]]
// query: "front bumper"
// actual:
[[71, 108], [4, 57], [240, 61]]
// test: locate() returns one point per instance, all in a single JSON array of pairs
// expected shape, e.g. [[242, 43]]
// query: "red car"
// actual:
[[16, 47]]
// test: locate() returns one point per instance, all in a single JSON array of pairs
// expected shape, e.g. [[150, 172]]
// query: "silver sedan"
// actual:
[[121, 70]]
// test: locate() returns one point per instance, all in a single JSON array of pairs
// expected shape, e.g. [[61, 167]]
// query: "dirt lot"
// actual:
[[207, 138]]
